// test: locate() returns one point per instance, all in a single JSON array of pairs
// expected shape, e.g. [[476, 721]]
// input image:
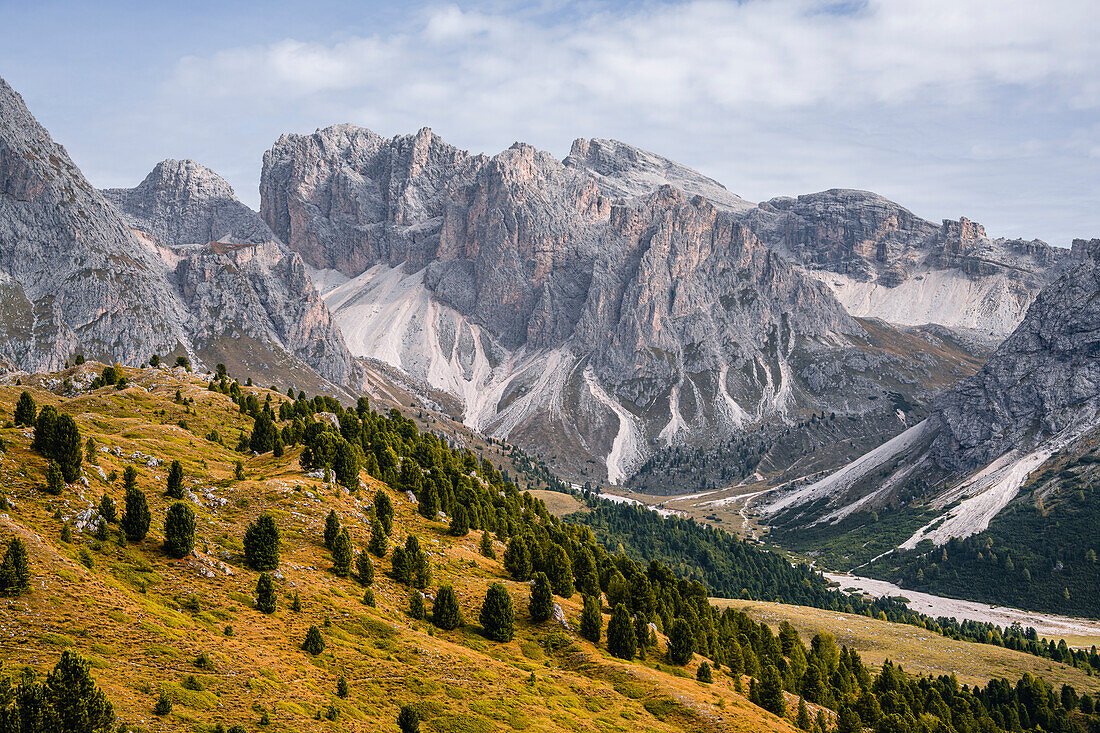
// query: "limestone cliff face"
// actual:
[[587, 308], [73, 278]]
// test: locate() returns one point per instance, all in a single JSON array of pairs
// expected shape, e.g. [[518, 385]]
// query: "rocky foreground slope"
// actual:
[[179, 268], [596, 309]]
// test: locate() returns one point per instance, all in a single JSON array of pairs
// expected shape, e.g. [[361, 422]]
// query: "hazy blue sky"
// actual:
[[989, 110]]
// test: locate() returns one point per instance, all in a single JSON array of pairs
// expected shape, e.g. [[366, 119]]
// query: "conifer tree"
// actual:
[[408, 720], [342, 554], [497, 616], [364, 568], [517, 559], [345, 465], [135, 515], [771, 691], [55, 481], [78, 703], [314, 643], [541, 605], [279, 447], [681, 643], [175, 481], [429, 501], [584, 571], [446, 613], [15, 571], [591, 619], [560, 571], [332, 528], [43, 431], [342, 690], [704, 673], [803, 719], [262, 543], [67, 447], [620, 634], [107, 509], [416, 605], [641, 633], [400, 565], [179, 530], [420, 571], [460, 524], [25, 411], [265, 593], [263, 433], [129, 478], [378, 544], [383, 510], [485, 547]]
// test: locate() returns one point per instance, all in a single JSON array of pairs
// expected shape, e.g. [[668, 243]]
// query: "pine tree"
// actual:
[[55, 481], [408, 720], [90, 451], [67, 447], [263, 434], [584, 570], [101, 530], [175, 481], [704, 673], [25, 411], [803, 720], [342, 690], [591, 619], [445, 611], [641, 633], [419, 569], [416, 605], [279, 448], [262, 543], [108, 510], [77, 701], [400, 565], [541, 605], [332, 528], [364, 568], [342, 554], [345, 465], [129, 478], [429, 501], [497, 616], [681, 643], [771, 691], [15, 571], [560, 571], [460, 524], [847, 720], [179, 530], [517, 559], [485, 547], [620, 634], [383, 510], [265, 593], [135, 516], [378, 544], [43, 431], [314, 643]]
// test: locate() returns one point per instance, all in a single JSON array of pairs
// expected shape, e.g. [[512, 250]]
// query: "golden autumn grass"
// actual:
[[142, 619]]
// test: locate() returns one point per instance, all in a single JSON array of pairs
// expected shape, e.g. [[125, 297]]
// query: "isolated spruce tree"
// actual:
[[704, 673], [560, 571], [342, 690], [179, 530], [517, 559], [419, 573], [262, 543], [364, 568], [681, 643], [101, 529], [107, 509], [129, 478], [78, 703], [416, 605], [25, 411], [262, 439], [497, 616], [342, 554], [332, 528], [175, 481], [135, 516], [378, 545], [314, 643], [55, 481], [620, 634], [591, 619], [68, 447], [771, 691], [15, 571], [485, 547], [460, 524], [445, 611], [408, 720], [541, 605], [383, 510], [43, 431], [265, 593]]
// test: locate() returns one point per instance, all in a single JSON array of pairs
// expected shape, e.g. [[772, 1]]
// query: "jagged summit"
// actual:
[[182, 202]]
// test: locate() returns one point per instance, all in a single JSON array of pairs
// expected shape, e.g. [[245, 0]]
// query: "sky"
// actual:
[[984, 109]]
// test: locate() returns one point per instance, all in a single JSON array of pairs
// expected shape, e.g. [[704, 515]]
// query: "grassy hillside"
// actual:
[[143, 619]]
